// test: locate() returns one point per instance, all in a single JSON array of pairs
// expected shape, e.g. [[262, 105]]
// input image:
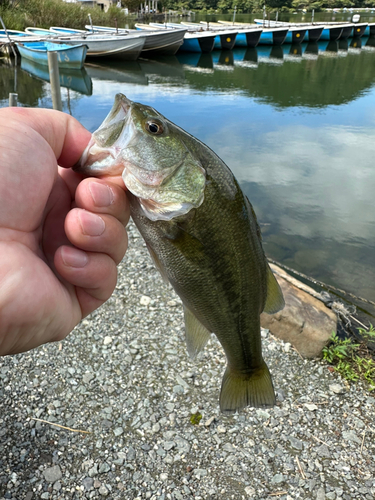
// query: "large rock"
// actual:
[[305, 322]]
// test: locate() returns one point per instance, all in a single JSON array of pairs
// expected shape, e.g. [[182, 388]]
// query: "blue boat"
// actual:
[[295, 35], [69, 56], [273, 36], [247, 35]]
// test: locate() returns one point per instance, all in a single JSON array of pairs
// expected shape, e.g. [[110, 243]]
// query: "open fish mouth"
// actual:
[[103, 151]]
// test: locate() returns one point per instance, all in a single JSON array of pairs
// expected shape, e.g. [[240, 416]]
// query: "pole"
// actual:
[[54, 78], [13, 99], [234, 13]]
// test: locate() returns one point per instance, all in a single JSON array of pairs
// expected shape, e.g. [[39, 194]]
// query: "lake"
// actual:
[[296, 124]]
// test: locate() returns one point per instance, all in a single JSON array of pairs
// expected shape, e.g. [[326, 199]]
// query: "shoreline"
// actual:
[[124, 376]]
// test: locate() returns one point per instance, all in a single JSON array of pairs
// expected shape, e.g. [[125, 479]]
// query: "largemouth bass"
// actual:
[[202, 234]]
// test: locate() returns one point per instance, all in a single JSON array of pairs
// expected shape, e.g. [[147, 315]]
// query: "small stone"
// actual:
[[221, 429], [320, 494], [57, 486], [209, 421], [88, 483], [263, 414], [45, 495], [87, 377], [198, 473], [287, 347], [250, 491], [145, 300], [163, 476], [337, 389], [93, 471], [107, 340], [178, 389], [311, 406], [323, 451], [296, 443], [168, 445], [351, 436], [277, 479], [103, 490], [118, 431], [52, 474], [104, 467]]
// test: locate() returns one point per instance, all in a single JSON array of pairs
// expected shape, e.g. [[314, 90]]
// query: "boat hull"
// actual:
[[69, 57], [126, 48], [273, 36]]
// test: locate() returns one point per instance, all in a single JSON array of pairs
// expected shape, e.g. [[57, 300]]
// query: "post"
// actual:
[[234, 13], [54, 78], [13, 97], [312, 16]]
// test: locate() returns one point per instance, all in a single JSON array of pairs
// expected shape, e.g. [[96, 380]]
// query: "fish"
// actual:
[[202, 234]]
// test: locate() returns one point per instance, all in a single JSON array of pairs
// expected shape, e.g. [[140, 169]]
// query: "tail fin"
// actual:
[[239, 390]]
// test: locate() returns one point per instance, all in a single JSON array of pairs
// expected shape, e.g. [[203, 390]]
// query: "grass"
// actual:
[[46, 13], [353, 361]]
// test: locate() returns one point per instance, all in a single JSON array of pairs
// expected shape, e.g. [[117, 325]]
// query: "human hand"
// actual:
[[60, 236]]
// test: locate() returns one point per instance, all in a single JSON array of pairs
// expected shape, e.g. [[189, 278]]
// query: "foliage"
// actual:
[[195, 418], [353, 361], [46, 13]]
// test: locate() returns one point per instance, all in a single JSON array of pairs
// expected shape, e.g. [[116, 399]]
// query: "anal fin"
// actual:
[[197, 335], [275, 300], [239, 390]]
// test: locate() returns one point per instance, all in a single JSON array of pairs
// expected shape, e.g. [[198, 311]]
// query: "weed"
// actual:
[[352, 361]]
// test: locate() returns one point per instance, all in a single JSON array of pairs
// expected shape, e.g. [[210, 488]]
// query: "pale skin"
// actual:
[[61, 236]]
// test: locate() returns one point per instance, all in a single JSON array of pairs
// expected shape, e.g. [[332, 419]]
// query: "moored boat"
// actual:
[[200, 42], [224, 38], [330, 31], [247, 36], [69, 56], [127, 47], [166, 42]]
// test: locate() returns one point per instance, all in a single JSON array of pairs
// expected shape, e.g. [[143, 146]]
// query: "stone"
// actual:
[[52, 474], [337, 389], [305, 322]]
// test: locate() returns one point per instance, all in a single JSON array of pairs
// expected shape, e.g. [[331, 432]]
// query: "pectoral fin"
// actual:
[[275, 300], [157, 263], [197, 335]]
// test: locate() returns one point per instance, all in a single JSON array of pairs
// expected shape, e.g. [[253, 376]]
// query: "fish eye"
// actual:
[[155, 127]]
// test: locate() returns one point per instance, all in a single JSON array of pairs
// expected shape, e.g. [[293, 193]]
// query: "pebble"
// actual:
[[135, 391], [52, 474]]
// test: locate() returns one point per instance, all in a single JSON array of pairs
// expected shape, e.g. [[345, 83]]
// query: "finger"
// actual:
[[64, 134], [94, 276], [102, 196], [96, 233]]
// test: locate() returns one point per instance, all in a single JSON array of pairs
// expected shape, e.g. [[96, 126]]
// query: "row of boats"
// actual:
[[73, 46]]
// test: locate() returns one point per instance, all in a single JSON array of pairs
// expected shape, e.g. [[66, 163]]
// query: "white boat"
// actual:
[[165, 42], [125, 46], [199, 42]]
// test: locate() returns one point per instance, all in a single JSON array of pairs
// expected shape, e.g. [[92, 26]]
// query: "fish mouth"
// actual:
[[107, 141]]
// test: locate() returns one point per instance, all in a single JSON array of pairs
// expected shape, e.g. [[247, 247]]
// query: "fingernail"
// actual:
[[72, 257], [91, 224], [101, 194]]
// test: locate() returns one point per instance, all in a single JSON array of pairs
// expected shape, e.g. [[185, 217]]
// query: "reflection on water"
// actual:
[[295, 124]]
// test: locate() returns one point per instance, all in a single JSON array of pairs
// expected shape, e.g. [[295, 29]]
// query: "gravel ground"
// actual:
[[124, 376]]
